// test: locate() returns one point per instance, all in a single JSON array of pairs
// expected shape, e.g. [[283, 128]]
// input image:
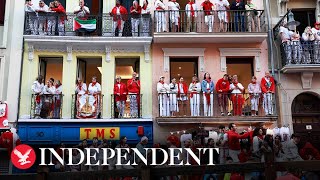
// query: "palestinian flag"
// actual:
[[84, 25]]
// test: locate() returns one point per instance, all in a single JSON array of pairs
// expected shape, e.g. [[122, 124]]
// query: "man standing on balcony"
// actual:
[[119, 14], [37, 88], [268, 90], [252, 16], [191, 11], [29, 9], [207, 87], [174, 15], [238, 16], [163, 89], [160, 17], [133, 86], [222, 6], [62, 13], [237, 99], [195, 89], [182, 95], [286, 35], [222, 88], [208, 8], [173, 97], [135, 12], [255, 93], [82, 11], [120, 96], [316, 32], [41, 11]]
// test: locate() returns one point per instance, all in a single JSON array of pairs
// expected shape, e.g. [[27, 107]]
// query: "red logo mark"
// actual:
[[23, 156]]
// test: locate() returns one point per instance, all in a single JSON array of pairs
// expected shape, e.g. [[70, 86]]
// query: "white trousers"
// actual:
[[208, 108], [254, 103], [173, 103], [51, 26], [164, 105], [61, 28], [267, 103], [41, 26], [120, 107], [195, 105], [115, 25], [135, 26], [161, 21], [209, 20]]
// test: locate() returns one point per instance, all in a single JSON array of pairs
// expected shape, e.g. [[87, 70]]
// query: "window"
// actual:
[[2, 11]]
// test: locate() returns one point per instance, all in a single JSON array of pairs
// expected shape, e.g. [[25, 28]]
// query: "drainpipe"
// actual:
[[270, 35]]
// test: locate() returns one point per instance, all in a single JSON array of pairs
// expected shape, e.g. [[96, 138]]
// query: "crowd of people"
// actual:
[[259, 145], [173, 97], [244, 16], [298, 49]]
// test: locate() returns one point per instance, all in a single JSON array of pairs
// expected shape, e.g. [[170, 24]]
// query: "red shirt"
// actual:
[[264, 85], [133, 87], [122, 91], [207, 7], [184, 87], [123, 11], [60, 9], [135, 14], [233, 139], [223, 85]]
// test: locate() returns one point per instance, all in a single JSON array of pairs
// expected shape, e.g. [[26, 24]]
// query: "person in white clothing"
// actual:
[[41, 11], [254, 90], [252, 16], [48, 90], [194, 90], [160, 17], [174, 15], [37, 88], [57, 99], [192, 13], [316, 47], [81, 11], [145, 18], [51, 20], [291, 152], [31, 17], [81, 94], [237, 99], [222, 7], [94, 91], [163, 89], [173, 97]]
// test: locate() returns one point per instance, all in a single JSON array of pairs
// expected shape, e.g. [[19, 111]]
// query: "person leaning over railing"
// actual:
[[208, 8], [145, 18], [174, 15], [58, 8], [160, 17], [31, 17], [51, 20], [41, 24], [252, 16], [37, 88], [285, 35], [119, 14], [316, 32], [308, 37], [135, 12], [192, 13]]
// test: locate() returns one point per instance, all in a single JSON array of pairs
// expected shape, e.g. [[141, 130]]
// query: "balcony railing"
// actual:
[[54, 24], [300, 52], [209, 21], [46, 106], [127, 106], [86, 106], [213, 105]]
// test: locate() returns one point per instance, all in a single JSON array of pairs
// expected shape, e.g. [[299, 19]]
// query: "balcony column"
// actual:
[[282, 8], [223, 63], [107, 79], [166, 63], [69, 72], [201, 62]]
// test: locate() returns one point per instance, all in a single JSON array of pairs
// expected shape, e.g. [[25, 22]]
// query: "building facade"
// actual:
[[298, 77]]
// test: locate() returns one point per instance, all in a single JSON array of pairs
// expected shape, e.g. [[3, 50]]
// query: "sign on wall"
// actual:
[[110, 133]]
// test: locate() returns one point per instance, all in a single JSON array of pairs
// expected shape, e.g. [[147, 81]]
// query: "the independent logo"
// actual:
[[23, 157]]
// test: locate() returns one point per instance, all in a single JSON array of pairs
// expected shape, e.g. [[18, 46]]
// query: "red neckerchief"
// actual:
[[253, 82], [145, 6], [191, 8], [93, 84], [260, 137], [162, 82], [57, 86], [236, 83], [80, 87], [317, 28]]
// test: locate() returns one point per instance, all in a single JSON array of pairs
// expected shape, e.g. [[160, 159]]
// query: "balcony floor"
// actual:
[[294, 68], [216, 120]]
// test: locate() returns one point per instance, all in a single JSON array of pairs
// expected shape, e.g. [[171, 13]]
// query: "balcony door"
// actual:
[[89, 67], [185, 66], [306, 17], [51, 67]]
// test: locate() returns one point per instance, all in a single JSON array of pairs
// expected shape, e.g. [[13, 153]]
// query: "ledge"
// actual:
[[82, 120], [216, 120], [193, 37], [296, 68]]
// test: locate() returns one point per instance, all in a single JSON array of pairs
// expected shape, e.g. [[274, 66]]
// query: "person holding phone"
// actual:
[[82, 11]]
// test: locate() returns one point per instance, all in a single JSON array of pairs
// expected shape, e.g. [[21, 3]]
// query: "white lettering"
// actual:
[[191, 153], [125, 156], [106, 157], [81, 153], [175, 153], [94, 156]]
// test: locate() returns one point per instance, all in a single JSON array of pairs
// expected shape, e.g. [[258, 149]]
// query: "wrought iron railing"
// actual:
[[54, 24], [209, 21], [214, 105], [86, 106], [300, 52], [126, 106], [46, 106]]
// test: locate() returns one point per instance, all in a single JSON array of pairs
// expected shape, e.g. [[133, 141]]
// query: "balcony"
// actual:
[[46, 106], [65, 32], [241, 27], [181, 110], [130, 108], [87, 106], [300, 56]]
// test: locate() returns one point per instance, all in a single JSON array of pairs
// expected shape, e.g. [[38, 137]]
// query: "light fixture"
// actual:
[[180, 67]]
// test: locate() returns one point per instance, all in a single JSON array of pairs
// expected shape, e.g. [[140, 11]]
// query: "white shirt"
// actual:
[[236, 91], [83, 89], [181, 89], [221, 5], [94, 89], [28, 8], [83, 12], [286, 34], [59, 90], [37, 87], [49, 90], [276, 131], [44, 8], [147, 10], [188, 9], [162, 88], [197, 87], [173, 88], [285, 133], [185, 137], [174, 6], [214, 136], [158, 3]]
